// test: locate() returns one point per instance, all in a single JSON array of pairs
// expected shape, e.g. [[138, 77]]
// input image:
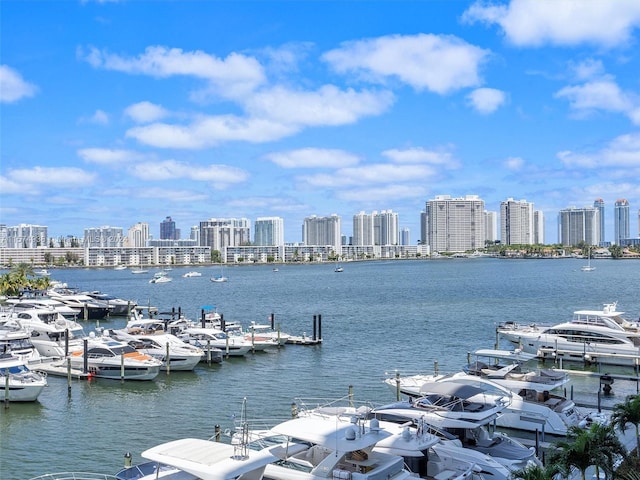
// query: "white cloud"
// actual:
[[561, 22], [145, 112], [439, 63], [210, 131], [326, 106], [312, 158], [51, 176], [106, 156], [588, 69], [442, 156], [486, 100], [514, 163], [13, 87], [169, 195], [397, 192], [100, 117], [603, 94], [621, 152], [234, 76], [370, 175], [220, 176]]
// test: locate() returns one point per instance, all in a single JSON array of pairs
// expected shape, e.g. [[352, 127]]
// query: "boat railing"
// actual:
[[75, 476]]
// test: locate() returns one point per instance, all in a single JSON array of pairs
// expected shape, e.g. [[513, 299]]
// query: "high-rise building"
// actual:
[[103, 237], [455, 224], [405, 236], [322, 231], [3, 235], [27, 236], [577, 225], [138, 235], [598, 204], [621, 221], [516, 222], [363, 229], [219, 233], [423, 227], [268, 231], [490, 226], [538, 227], [168, 230]]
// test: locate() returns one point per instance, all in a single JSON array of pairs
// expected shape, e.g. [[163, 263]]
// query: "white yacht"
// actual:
[[16, 340], [267, 331], [212, 337], [108, 358], [17, 382], [191, 274], [602, 336], [169, 349]]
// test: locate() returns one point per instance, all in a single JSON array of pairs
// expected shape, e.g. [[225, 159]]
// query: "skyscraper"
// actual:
[[599, 205], [577, 225], [219, 233], [362, 229], [322, 231], [103, 237], [621, 221], [268, 231], [138, 235], [516, 222], [455, 224], [538, 227], [168, 229], [490, 226]]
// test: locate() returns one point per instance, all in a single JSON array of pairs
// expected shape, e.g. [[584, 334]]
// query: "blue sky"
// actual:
[[117, 112]]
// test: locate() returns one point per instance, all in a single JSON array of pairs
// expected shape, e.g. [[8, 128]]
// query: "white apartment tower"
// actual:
[[363, 229], [516, 222], [27, 236], [598, 204], [455, 224], [138, 235], [376, 228], [103, 237], [219, 233], [268, 231], [538, 227], [577, 225], [491, 226], [322, 231]]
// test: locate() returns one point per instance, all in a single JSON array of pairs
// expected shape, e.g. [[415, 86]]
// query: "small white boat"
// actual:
[[192, 274], [17, 382], [212, 337], [139, 271], [338, 269], [160, 277], [588, 267], [120, 267], [44, 272]]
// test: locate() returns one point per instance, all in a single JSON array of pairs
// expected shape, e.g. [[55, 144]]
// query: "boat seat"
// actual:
[[473, 407], [438, 472]]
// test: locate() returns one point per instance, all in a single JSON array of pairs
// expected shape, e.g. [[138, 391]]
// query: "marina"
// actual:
[[378, 318]]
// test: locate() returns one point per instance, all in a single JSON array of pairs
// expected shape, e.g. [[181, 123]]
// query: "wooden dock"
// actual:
[[59, 368]]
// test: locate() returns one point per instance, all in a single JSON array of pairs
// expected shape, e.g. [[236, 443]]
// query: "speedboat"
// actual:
[[109, 358], [17, 382], [205, 338], [169, 349], [192, 274], [602, 336], [258, 341], [267, 331], [160, 277]]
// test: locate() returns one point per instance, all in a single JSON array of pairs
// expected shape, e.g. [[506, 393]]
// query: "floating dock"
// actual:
[[303, 340], [59, 368]]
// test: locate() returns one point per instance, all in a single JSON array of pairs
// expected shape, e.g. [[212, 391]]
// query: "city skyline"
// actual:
[[112, 116]]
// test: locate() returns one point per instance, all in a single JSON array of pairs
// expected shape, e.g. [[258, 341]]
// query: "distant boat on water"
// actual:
[[120, 267], [588, 267], [338, 269], [139, 270], [220, 278]]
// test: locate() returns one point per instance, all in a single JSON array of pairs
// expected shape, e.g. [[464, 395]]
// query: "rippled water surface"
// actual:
[[377, 317]]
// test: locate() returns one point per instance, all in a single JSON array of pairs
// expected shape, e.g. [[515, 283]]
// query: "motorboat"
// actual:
[[160, 277], [219, 279], [53, 335], [139, 271], [89, 308], [44, 302], [602, 336], [199, 459], [527, 410], [267, 331], [205, 338], [109, 358], [44, 272], [119, 306], [316, 448], [258, 341], [120, 267], [428, 452], [17, 341], [338, 269], [191, 274], [17, 382], [169, 349], [508, 368]]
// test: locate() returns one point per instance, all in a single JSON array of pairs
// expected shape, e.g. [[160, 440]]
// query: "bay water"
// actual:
[[377, 317]]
